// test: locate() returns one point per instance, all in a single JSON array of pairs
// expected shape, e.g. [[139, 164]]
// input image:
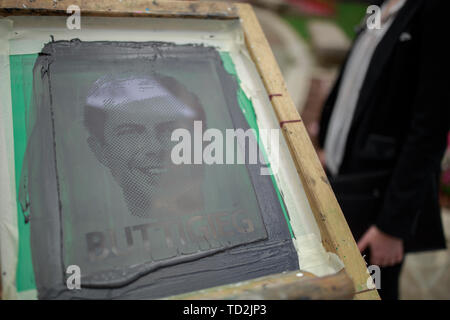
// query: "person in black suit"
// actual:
[[383, 131]]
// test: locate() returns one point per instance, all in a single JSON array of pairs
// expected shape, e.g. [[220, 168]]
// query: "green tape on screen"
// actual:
[[249, 112], [21, 69]]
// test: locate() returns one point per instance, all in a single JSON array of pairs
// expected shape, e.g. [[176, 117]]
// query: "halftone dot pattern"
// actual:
[[131, 119]]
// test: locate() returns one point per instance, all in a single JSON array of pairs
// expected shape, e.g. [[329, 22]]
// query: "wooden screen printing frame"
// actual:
[[335, 233]]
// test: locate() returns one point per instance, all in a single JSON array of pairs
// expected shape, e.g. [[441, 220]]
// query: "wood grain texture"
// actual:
[[124, 8], [336, 235], [288, 286]]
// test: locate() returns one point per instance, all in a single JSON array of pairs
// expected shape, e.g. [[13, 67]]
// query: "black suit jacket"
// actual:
[[391, 165]]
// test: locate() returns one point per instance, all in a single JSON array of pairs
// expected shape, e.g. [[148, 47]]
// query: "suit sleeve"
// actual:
[[424, 145]]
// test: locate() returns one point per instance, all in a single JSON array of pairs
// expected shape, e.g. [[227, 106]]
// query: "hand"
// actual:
[[385, 250]]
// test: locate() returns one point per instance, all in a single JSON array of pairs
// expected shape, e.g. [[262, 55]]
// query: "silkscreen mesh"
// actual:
[[129, 119], [104, 193]]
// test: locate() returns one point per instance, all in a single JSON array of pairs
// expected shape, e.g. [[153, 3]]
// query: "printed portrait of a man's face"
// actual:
[[130, 120]]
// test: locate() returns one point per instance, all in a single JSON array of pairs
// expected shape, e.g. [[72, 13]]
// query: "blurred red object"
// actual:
[[315, 7]]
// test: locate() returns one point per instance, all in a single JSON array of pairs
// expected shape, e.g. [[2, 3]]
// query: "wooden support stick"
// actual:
[[290, 286], [125, 8], [336, 235]]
